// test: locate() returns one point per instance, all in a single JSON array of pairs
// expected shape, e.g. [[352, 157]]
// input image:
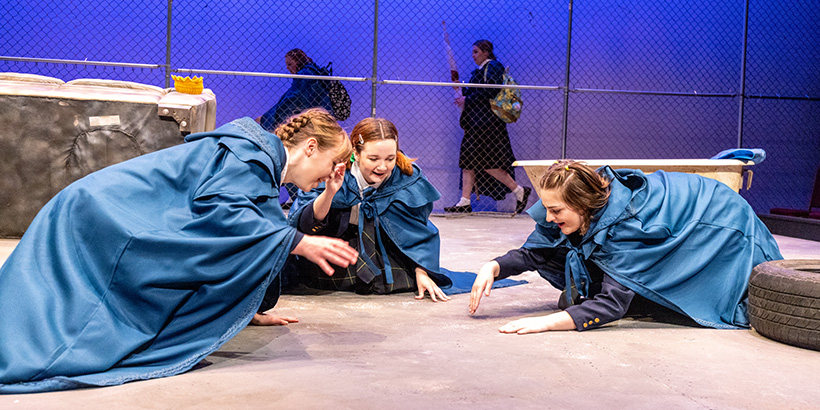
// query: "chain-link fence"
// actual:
[[615, 79]]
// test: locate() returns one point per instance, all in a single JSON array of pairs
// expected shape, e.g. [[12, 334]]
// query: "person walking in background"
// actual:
[[302, 94], [142, 269], [486, 155]]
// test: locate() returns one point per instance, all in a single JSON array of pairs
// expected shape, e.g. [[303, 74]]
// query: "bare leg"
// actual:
[[522, 194], [467, 182], [502, 177]]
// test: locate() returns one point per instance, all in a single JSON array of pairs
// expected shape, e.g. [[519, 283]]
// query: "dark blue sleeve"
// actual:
[[289, 104], [286, 106], [495, 72], [495, 75], [607, 306], [295, 100], [547, 261], [268, 119], [334, 224], [296, 239], [522, 260]]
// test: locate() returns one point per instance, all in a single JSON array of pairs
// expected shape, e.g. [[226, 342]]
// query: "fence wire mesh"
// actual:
[[618, 79]]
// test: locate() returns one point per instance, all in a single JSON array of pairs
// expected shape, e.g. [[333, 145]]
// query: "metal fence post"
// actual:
[[743, 76], [168, 47], [373, 83], [566, 86]]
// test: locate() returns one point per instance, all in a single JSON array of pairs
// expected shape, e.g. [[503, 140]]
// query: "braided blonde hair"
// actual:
[[319, 124], [579, 186]]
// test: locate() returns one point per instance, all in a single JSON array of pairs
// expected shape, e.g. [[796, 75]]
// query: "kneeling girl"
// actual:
[[381, 206]]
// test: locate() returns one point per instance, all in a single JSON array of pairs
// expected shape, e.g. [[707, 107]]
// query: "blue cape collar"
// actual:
[[247, 129]]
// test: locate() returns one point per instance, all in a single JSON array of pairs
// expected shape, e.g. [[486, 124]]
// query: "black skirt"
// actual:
[[350, 278], [486, 147], [483, 148]]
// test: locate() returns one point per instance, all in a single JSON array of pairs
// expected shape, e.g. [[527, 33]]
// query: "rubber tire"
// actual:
[[784, 301]]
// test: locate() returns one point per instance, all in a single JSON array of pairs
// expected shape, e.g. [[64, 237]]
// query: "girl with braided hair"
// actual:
[[142, 269], [615, 239], [380, 207]]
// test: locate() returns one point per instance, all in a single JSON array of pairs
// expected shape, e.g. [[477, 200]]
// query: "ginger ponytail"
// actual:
[[404, 163]]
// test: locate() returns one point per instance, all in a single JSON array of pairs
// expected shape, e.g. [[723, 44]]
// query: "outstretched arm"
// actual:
[[554, 321], [513, 262], [610, 304]]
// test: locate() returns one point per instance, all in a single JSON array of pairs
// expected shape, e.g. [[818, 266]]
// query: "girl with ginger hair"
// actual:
[[381, 207]]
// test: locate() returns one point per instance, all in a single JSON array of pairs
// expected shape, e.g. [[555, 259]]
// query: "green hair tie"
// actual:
[[352, 157]]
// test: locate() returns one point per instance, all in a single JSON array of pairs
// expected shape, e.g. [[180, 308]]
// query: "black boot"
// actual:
[[520, 205], [464, 209]]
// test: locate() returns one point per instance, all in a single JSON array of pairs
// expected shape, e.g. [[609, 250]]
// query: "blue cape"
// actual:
[[302, 94], [142, 269], [401, 206], [683, 241]]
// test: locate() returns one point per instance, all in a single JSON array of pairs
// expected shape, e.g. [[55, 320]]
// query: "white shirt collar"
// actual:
[[480, 66], [357, 173]]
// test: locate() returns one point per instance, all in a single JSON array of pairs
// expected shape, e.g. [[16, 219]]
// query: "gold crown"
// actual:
[[188, 85]]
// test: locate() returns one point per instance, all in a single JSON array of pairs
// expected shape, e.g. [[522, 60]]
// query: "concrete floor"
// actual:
[[378, 352]]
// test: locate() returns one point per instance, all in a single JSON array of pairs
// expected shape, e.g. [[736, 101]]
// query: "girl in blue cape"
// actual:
[[302, 94], [142, 269], [381, 207], [682, 241]]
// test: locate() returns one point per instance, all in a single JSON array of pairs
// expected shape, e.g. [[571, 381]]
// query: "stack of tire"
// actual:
[[784, 301]]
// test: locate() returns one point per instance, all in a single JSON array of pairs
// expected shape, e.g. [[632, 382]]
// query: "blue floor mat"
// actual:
[[463, 282]]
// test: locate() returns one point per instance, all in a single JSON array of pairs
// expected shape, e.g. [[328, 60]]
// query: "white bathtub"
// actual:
[[729, 171]]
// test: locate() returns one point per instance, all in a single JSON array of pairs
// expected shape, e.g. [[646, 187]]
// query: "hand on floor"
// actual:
[[555, 321], [264, 319], [425, 284]]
